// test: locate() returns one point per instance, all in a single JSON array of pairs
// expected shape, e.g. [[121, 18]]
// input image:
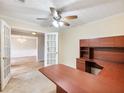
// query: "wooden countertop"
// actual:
[[75, 81]]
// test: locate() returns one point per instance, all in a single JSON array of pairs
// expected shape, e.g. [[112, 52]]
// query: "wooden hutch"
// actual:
[[101, 53]]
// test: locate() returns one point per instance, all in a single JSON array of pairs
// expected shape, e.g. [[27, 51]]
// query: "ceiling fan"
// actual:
[[57, 20]]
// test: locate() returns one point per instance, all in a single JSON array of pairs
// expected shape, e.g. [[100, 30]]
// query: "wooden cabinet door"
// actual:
[[106, 42], [94, 42], [80, 65], [84, 43], [119, 42]]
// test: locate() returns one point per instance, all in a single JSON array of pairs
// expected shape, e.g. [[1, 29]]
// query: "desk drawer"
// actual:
[[80, 65]]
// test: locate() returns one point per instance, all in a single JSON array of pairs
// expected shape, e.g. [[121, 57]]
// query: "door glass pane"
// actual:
[[51, 49], [6, 51]]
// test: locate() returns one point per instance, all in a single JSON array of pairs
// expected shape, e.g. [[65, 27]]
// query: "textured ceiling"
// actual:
[[87, 10]]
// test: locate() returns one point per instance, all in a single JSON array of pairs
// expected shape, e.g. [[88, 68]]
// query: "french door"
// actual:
[[5, 32], [51, 48]]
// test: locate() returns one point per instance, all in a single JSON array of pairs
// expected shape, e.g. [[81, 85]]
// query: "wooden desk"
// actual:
[[69, 80]]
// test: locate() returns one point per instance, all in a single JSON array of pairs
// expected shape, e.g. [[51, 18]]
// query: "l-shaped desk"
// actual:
[[70, 80], [106, 54]]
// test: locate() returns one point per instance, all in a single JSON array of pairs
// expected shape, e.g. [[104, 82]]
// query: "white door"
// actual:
[[51, 49], [5, 32]]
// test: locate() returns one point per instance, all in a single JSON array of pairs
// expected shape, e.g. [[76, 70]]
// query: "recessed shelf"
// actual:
[[93, 68]]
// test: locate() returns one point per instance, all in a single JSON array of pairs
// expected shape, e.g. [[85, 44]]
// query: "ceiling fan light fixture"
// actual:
[[55, 24], [57, 19], [61, 23]]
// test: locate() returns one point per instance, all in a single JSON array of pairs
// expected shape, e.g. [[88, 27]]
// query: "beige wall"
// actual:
[[110, 26]]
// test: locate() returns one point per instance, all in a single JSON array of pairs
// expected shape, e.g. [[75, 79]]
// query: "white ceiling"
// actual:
[[87, 10]]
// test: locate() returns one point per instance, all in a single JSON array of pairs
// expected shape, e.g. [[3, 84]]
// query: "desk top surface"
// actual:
[[75, 81]]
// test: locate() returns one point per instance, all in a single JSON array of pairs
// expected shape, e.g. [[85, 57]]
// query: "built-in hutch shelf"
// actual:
[[100, 51]]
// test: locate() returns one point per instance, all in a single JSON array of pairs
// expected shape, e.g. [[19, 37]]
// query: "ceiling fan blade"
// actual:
[[42, 18], [66, 24], [71, 17]]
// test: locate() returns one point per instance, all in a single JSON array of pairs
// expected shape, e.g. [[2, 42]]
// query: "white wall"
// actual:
[[28, 48], [111, 26]]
